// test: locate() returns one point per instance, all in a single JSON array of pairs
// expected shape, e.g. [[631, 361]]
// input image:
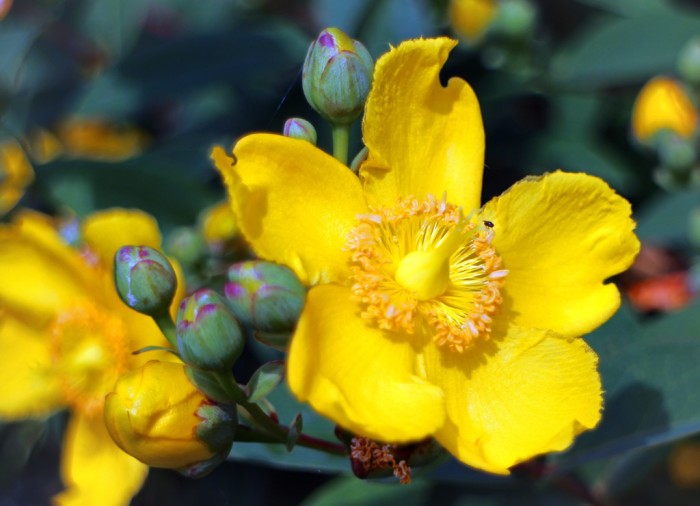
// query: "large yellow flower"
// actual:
[[429, 314], [65, 338]]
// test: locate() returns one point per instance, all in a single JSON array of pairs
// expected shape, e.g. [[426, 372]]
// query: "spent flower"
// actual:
[[429, 314]]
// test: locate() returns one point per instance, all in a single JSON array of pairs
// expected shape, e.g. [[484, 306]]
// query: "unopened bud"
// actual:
[[186, 244], [471, 18], [264, 295], [337, 76], [663, 104], [159, 417], [208, 335], [514, 18], [145, 280], [689, 61], [299, 128]]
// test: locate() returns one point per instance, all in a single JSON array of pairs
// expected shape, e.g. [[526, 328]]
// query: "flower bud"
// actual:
[[159, 417], [299, 128], [145, 280], [663, 104], [471, 18], [689, 61], [186, 245], [264, 295], [208, 335], [337, 76]]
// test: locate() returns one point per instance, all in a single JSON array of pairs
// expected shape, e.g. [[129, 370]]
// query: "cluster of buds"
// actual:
[[665, 120], [182, 415]]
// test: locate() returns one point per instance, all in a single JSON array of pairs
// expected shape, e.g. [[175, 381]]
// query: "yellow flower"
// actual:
[[155, 414], [663, 104], [429, 314], [65, 338], [15, 174], [98, 139], [471, 18]]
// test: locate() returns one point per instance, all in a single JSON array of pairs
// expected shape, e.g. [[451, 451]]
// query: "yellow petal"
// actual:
[[519, 395], [107, 231], [40, 273], [29, 389], [423, 138], [16, 174], [94, 469], [358, 376], [293, 202], [560, 237]]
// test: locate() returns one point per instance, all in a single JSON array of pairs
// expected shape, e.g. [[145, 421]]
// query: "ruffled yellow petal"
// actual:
[[423, 138], [519, 395], [29, 387], [294, 203], [95, 470], [40, 274], [107, 231], [360, 377], [560, 237]]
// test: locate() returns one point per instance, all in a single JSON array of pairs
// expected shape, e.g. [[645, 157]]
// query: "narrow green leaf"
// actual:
[[264, 380], [295, 429]]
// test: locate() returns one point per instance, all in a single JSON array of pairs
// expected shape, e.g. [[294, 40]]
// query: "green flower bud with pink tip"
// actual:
[[337, 76], [145, 280], [208, 335], [264, 295], [299, 128]]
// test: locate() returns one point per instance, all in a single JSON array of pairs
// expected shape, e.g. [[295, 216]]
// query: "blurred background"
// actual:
[[118, 102]]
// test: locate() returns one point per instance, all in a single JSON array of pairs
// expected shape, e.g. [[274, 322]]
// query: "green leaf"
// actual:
[[617, 51], [664, 220], [15, 40], [351, 491], [114, 24], [264, 380]]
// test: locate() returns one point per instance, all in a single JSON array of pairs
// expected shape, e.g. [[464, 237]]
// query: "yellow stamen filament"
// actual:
[[422, 265]]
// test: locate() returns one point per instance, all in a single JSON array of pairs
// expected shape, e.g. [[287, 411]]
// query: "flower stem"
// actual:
[[341, 141], [167, 327], [279, 433]]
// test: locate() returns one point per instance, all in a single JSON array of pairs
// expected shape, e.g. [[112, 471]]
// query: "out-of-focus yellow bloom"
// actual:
[[153, 414], [65, 338], [684, 464], [98, 139], [45, 146], [663, 104], [15, 174], [471, 18], [432, 315], [218, 224]]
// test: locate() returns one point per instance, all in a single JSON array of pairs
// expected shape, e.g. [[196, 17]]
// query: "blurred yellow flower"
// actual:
[[153, 415], [663, 104], [218, 224], [15, 174], [431, 315], [470, 18], [98, 139], [65, 338], [684, 464]]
